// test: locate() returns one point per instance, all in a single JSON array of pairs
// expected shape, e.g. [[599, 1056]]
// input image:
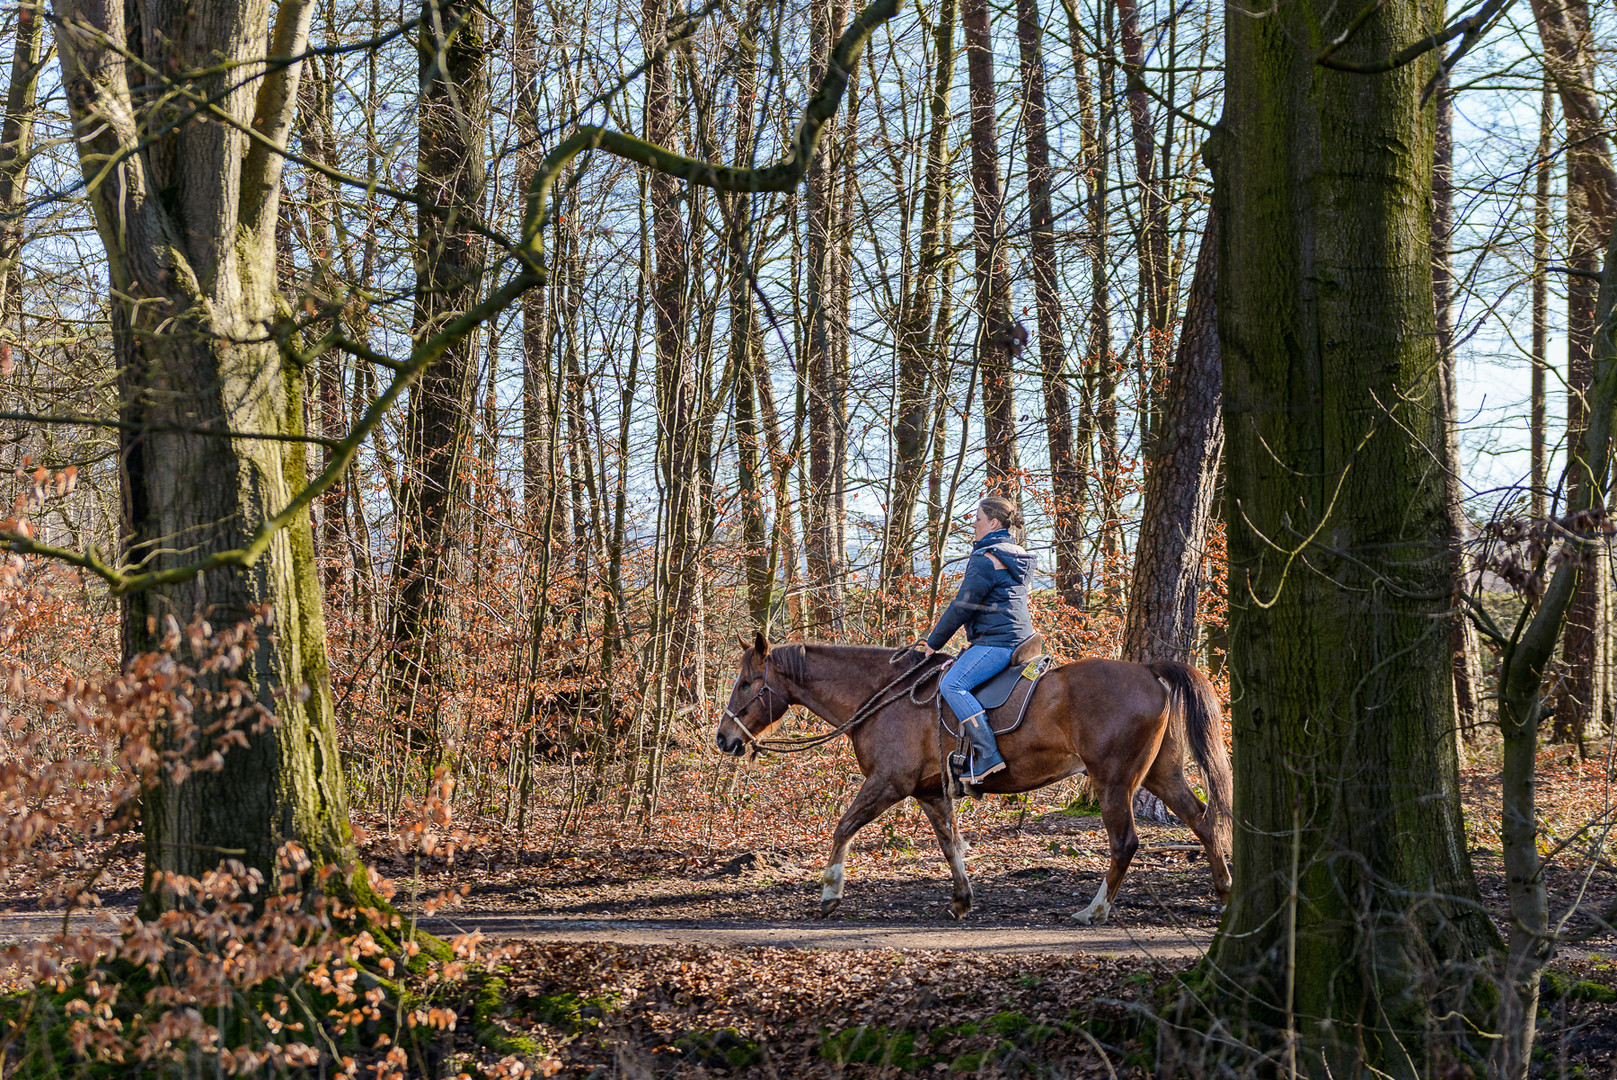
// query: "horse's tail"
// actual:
[[1203, 717]]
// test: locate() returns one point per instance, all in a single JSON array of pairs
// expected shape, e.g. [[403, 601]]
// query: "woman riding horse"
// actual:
[[992, 606]]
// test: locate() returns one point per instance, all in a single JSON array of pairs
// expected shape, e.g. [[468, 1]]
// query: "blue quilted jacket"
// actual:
[[992, 603]]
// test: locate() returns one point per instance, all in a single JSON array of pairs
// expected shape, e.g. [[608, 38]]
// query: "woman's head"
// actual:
[[996, 512]]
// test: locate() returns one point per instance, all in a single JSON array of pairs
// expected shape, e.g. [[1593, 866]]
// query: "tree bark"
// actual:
[[1176, 519], [1156, 269], [1347, 785], [678, 398], [450, 252], [194, 306], [995, 343], [825, 374], [1538, 419], [918, 362], [1066, 482], [16, 150], [746, 341], [1467, 653], [1565, 28]]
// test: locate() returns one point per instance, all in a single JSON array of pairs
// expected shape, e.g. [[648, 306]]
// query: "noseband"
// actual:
[[735, 716]]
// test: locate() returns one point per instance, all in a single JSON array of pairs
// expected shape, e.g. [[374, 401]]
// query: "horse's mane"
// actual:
[[791, 661]]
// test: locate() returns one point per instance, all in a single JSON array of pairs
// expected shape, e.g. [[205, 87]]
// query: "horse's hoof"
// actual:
[[1082, 917], [828, 906], [956, 910]]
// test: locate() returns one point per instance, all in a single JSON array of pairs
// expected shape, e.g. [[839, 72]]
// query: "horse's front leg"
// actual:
[[875, 796], [938, 813]]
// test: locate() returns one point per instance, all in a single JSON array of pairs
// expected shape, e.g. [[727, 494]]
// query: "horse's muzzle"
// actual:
[[729, 744]]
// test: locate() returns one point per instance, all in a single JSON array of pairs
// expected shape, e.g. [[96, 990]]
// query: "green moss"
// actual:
[[1558, 987], [724, 1048], [871, 1045], [487, 1007], [571, 1013]]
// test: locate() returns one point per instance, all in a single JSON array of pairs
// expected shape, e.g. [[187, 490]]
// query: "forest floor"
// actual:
[[698, 950]]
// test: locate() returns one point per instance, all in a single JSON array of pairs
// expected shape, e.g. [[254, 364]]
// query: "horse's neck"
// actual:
[[836, 686]]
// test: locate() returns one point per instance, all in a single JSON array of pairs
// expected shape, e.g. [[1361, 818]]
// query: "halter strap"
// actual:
[[907, 683]]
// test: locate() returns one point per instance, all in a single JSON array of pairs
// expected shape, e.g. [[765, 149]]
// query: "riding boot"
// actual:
[[982, 751]]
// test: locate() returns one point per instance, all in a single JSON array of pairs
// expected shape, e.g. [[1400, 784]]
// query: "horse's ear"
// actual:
[[742, 638], [760, 644]]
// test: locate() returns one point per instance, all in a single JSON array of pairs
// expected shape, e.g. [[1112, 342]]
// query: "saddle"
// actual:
[[1005, 697]]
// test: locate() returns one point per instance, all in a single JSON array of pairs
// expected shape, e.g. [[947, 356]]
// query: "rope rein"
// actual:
[[906, 684]]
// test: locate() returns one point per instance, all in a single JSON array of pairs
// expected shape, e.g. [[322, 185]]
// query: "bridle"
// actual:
[[906, 684]]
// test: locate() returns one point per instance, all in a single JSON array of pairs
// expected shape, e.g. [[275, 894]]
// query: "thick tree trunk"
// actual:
[[1182, 472], [996, 336], [16, 152], [1565, 28], [451, 118], [1467, 651], [826, 377], [1066, 483], [1347, 786], [196, 480]]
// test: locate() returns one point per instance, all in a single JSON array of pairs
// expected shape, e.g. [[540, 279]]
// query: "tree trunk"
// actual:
[[1538, 419], [1347, 785], [826, 381], [746, 340], [16, 150], [1467, 651], [918, 362], [1591, 205], [201, 259], [677, 394], [996, 338], [1156, 271], [432, 515], [1066, 483], [1176, 519]]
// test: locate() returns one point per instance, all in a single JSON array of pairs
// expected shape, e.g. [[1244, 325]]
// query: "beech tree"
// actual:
[[1355, 916]]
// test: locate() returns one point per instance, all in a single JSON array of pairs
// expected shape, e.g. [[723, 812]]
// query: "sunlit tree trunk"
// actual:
[[1066, 484], [1182, 471], [1347, 778], [1566, 30], [451, 118], [1538, 405], [826, 379], [193, 305], [1467, 658], [918, 362], [994, 335], [16, 152]]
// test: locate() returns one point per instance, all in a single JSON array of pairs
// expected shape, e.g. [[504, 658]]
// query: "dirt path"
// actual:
[[987, 936]]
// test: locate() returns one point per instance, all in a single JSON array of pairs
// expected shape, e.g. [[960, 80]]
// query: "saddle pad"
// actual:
[[997, 691], [1021, 682]]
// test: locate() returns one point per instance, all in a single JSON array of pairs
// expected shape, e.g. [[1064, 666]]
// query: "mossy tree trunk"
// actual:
[[211, 409], [1355, 921]]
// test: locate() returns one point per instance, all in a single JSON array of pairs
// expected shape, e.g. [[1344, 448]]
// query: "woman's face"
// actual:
[[982, 525]]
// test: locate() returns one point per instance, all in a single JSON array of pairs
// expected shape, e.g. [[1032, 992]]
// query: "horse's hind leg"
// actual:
[[937, 812], [1117, 812], [1167, 782], [873, 799]]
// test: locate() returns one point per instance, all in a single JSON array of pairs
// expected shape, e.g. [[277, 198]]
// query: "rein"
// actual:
[[905, 684]]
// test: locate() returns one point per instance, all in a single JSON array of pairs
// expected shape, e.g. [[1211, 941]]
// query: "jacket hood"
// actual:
[[1019, 562]]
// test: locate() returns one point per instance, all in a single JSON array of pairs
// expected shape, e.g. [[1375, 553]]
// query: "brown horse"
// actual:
[[1126, 724]]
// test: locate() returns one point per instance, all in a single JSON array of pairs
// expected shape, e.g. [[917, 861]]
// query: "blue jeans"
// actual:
[[974, 667]]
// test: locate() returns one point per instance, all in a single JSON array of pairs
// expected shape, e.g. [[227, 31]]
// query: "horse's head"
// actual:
[[757, 702]]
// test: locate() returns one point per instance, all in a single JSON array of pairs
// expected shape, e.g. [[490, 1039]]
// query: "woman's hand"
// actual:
[[926, 650]]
